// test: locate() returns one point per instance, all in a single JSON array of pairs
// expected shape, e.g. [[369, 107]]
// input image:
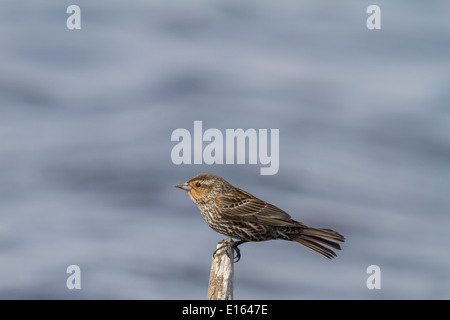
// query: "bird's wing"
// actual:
[[239, 205]]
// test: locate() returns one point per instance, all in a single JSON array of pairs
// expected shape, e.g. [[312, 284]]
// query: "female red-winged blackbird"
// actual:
[[237, 214]]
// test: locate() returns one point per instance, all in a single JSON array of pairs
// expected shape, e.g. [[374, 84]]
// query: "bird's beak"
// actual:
[[184, 186]]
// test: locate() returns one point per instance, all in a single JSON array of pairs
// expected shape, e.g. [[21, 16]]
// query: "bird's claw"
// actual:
[[237, 250], [234, 245]]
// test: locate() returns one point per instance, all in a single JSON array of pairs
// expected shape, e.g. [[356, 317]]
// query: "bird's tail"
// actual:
[[316, 238]]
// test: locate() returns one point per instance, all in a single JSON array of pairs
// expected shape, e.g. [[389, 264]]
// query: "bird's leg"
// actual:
[[229, 242]]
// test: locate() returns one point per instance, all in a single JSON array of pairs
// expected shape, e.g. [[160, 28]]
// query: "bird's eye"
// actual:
[[198, 184]]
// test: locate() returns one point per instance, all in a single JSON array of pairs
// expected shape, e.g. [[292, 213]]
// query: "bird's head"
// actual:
[[204, 187]]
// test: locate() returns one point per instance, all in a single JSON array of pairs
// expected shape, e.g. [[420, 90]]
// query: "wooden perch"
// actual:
[[222, 269]]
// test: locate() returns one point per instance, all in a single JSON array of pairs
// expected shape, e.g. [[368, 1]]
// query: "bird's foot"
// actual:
[[227, 243]]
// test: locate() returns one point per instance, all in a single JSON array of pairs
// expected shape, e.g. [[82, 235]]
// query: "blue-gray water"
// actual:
[[86, 117]]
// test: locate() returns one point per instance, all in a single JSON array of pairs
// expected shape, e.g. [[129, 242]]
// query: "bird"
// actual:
[[238, 214]]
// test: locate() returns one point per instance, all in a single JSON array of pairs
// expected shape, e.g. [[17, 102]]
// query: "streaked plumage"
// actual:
[[240, 215]]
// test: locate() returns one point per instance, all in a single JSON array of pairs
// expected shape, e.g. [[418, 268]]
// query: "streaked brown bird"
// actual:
[[240, 215]]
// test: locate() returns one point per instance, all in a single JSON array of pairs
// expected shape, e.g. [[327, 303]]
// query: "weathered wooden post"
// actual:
[[222, 269]]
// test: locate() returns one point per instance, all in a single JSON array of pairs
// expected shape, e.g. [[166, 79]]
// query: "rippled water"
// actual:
[[85, 124]]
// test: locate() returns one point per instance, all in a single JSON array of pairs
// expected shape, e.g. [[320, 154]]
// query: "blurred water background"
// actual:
[[86, 117]]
